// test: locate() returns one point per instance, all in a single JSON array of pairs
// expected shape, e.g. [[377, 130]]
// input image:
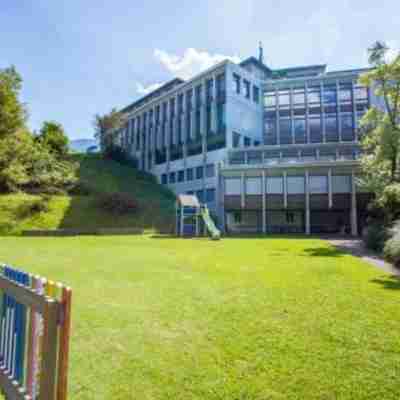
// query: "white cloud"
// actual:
[[141, 89], [191, 62]]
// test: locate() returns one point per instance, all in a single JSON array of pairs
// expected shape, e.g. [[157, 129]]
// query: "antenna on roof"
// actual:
[[260, 53]]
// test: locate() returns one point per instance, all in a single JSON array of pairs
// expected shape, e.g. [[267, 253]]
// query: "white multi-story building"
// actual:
[[267, 150]]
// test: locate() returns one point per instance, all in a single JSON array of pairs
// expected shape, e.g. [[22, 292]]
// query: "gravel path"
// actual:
[[356, 248]]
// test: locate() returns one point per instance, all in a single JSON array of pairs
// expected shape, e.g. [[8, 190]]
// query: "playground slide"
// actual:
[[214, 231]]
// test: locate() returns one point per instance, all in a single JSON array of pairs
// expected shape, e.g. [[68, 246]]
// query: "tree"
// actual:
[[12, 111], [106, 127], [380, 126], [53, 136]]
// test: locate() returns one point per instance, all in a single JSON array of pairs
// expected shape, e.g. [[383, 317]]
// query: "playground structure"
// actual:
[[193, 218], [35, 319]]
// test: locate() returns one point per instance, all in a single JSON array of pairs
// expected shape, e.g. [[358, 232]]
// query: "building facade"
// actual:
[[269, 151]]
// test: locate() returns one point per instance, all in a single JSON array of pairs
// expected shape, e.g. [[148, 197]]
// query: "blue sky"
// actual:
[[81, 57]]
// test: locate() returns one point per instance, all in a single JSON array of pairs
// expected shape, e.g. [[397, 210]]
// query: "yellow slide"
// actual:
[[214, 231]]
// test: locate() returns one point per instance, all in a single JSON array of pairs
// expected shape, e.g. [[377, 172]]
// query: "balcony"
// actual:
[[265, 156]]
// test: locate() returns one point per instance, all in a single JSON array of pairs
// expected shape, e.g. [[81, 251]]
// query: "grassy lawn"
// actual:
[[238, 319]]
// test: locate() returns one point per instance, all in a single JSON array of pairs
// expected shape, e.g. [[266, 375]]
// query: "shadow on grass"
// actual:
[[323, 252], [391, 282]]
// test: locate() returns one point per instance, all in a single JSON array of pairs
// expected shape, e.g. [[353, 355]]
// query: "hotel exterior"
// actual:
[[269, 151]]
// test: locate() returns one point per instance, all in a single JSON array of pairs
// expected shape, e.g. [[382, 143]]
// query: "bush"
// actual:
[[34, 207], [391, 250], [374, 236], [80, 189], [118, 203]]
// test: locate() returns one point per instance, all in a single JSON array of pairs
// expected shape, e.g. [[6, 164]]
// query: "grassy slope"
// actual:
[[156, 203], [236, 319]]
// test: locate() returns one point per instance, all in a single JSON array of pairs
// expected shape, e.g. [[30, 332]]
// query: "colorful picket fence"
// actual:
[[35, 319]]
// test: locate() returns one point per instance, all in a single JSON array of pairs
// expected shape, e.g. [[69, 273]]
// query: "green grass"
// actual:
[[238, 319], [156, 204]]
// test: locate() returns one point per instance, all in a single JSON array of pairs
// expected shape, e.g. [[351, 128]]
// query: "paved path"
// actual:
[[356, 248]]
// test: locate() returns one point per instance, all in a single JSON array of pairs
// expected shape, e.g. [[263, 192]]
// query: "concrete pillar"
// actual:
[[285, 202], [307, 193], [264, 212], [323, 113], [339, 118], [330, 197], [354, 227], [214, 106], [243, 190]]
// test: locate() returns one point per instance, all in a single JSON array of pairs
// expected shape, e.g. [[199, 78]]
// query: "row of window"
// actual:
[[168, 110], [246, 88], [316, 94], [318, 184], [191, 174], [293, 155]]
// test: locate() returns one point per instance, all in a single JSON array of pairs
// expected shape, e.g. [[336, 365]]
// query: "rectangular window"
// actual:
[[315, 130], [236, 83], [189, 95], [270, 100], [314, 95], [210, 195], [318, 184], [295, 184], [329, 94], [300, 130], [361, 93], [284, 99], [210, 170], [246, 88], [256, 94], [198, 96], [270, 132], [233, 186], [221, 118], [180, 103], [200, 195], [341, 184], [209, 88], [346, 121], [164, 179], [172, 177], [220, 86], [253, 186], [189, 174], [235, 139], [181, 176], [199, 172], [345, 92], [247, 141], [275, 185], [285, 131], [331, 128], [298, 97]]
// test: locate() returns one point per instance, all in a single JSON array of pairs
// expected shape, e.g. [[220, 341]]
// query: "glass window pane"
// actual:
[[275, 185], [341, 184], [347, 127], [315, 130], [329, 95], [253, 186], [284, 99], [295, 184], [314, 96], [233, 186], [285, 131], [331, 128], [318, 184], [300, 130], [270, 100], [270, 132], [298, 97]]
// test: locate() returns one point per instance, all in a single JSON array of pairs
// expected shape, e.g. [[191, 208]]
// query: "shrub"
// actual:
[[34, 207], [389, 201], [80, 189], [118, 203], [374, 236], [391, 250]]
